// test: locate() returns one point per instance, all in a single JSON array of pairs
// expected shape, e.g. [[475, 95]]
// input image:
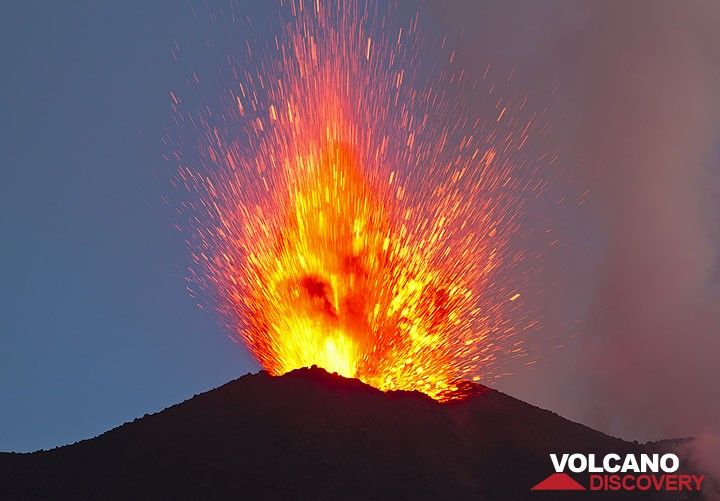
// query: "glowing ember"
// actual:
[[353, 216]]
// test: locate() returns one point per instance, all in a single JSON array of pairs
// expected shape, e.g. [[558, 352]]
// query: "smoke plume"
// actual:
[[637, 101]]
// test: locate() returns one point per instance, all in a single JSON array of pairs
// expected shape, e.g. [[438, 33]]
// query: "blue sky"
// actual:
[[96, 326]]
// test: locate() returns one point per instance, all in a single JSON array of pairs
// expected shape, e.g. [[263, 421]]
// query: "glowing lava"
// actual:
[[351, 216], [336, 278]]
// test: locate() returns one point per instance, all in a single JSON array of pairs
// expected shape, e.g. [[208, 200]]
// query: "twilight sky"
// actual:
[[96, 326]]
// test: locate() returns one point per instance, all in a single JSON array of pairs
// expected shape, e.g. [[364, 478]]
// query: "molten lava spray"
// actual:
[[353, 214]]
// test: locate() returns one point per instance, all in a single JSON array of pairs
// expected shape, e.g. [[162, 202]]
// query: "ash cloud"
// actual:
[[650, 130], [638, 102], [653, 329]]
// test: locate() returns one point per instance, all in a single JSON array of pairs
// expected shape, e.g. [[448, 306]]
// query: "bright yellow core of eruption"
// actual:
[[335, 276]]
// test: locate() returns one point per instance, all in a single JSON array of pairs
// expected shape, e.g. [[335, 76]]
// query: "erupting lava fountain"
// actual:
[[352, 212]]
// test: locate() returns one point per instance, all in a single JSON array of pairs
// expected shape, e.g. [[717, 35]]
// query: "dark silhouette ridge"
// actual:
[[313, 435]]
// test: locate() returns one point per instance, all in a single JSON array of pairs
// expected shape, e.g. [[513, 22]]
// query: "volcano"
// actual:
[[313, 435]]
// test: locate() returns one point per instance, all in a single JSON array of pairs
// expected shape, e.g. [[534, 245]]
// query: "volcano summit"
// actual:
[[312, 435]]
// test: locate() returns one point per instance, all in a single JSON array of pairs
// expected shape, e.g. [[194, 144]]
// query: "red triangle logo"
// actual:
[[558, 482]]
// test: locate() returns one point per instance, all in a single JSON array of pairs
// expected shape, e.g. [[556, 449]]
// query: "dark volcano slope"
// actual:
[[312, 435]]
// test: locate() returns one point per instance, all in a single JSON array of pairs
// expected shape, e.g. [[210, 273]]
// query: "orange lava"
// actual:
[[353, 218]]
